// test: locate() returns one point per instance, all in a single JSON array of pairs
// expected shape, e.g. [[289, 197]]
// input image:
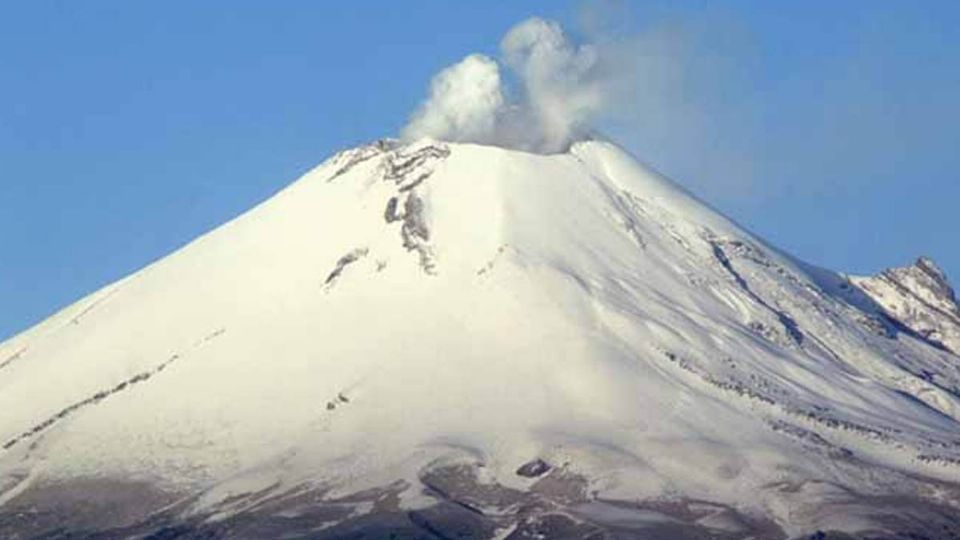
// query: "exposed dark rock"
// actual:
[[390, 213], [555, 526], [453, 521], [415, 234], [407, 170], [343, 262], [415, 228], [351, 158], [95, 398], [533, 469], [101, 395], [464, 509], [410, 170]]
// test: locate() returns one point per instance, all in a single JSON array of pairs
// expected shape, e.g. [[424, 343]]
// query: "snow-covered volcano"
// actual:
[[449, 340]]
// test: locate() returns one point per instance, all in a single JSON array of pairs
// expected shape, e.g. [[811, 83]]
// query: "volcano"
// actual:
[[438, 340]]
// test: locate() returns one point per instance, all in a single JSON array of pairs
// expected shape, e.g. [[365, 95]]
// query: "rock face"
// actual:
[[920, 298], [437, 340]]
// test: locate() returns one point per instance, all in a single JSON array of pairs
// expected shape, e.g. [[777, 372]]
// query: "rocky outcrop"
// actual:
[[920, 298]]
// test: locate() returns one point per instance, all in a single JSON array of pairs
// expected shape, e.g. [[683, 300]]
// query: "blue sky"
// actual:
[[128, 128]]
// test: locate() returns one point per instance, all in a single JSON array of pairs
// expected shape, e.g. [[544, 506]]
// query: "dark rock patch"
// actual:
[[533, 469], [390, 213], [343, 262]]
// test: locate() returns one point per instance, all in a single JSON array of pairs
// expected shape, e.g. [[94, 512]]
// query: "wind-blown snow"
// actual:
[[405, 304]]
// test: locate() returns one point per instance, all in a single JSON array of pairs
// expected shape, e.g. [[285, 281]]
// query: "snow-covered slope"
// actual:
[[438, 339]]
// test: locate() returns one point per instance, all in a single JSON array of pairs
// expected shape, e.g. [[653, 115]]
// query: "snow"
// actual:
[[573, 307]]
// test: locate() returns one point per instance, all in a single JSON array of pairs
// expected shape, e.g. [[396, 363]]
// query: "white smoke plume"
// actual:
[[560, 92], [466, 100], [561, 89], [673, 89]]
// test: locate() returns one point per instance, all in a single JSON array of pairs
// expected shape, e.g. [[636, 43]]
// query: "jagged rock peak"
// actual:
[[920, 298], [927, 281], [939, 277]]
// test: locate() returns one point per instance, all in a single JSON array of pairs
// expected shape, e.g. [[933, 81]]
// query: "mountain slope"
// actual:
[[441, 337]]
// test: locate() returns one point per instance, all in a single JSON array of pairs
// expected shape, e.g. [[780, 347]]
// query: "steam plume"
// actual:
[[560, 92]]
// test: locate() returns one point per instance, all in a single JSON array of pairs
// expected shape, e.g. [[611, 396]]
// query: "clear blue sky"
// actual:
[[128, 128]]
